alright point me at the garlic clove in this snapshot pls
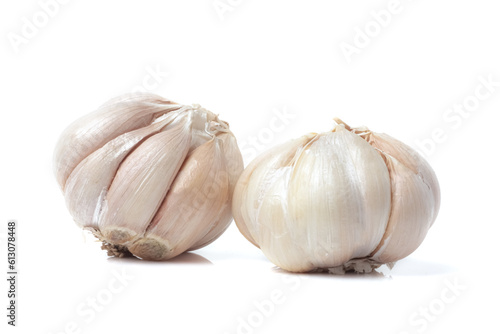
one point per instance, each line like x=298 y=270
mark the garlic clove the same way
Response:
x=89 y=182
x=217 y=229
x=413 y=161
x=411 y=214
x=275 y=240
x=232 y=158
x=247 y=195
x=122 y=114
x=415 y=198
x=193 y=205
x=141 y=183
x=234 y=167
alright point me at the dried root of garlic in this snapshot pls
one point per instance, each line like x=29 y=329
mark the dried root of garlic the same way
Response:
x=148 y=176
x=346 y=200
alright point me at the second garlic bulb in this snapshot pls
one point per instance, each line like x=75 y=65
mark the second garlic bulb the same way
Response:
x=349 y=199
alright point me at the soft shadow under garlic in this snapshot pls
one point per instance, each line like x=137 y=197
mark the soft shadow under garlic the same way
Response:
x=184 y=258
x=418 y=267
x=325 y=274
x=405 y=267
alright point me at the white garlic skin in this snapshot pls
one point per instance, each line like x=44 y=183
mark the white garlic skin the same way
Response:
x=148 y=176
x=349 y=199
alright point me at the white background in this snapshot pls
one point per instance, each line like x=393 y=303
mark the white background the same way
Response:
x=247 y=63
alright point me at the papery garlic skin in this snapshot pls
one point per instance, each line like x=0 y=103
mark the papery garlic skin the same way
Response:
x=337 y=200
x=416 y=198
x=149 y=177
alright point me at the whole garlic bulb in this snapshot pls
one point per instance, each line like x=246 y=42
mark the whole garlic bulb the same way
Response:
x=349 y=199
x=149 y=176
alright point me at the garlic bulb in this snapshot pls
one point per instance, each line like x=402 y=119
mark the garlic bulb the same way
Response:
x=349 y=199
x=149 y=176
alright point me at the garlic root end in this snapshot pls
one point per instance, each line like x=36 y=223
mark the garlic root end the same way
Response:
x=113 y=249
x=362 y=265
x=151 y=249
